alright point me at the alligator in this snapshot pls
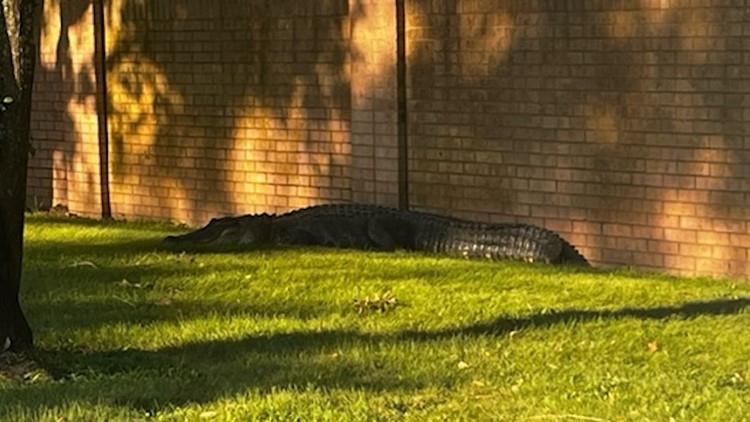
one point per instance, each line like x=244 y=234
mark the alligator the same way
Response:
x=381 y=228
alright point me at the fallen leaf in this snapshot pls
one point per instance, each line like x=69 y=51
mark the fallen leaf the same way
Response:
x=82 y=264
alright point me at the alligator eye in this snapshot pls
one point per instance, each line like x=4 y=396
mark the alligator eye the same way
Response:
x=247 y=238
x=228 y=235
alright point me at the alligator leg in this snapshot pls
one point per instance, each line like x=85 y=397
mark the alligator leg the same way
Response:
x=388 y=232
x=296 y=236
x=328 y=233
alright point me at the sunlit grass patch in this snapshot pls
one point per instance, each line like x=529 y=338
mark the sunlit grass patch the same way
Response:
x=132 y=330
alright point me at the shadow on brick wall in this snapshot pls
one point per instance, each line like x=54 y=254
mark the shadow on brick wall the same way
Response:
x=237 y=107
x=620 y=128
x=63 y=77
x=212 y=108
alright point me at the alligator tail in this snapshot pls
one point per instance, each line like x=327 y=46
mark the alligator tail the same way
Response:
x=570 y=255
x=520 y=242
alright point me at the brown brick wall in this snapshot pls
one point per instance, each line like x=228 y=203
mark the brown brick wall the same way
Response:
x=215 y=107
x=228 y=108
x=619 y=124
x=373 y=126
x=65 y=166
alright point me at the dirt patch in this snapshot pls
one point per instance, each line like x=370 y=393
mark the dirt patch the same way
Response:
x=21 y=367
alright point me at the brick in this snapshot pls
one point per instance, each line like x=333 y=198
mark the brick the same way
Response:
x=649 y=260
x=677 y=262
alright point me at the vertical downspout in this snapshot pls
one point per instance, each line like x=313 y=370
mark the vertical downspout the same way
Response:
x=402 y=134
x=100 y=65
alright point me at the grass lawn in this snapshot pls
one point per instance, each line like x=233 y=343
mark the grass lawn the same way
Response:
x=127 y=329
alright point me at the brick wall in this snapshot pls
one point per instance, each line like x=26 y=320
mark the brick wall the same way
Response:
x=231 y=108
x=374 y=118
x=65 y=164
x=214 y=107
x=618 y=124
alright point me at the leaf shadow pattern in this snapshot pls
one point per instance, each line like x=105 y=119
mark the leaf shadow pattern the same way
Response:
x=201 y=372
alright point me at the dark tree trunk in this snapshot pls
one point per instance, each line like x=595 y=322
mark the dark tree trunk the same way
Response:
x=19 y=27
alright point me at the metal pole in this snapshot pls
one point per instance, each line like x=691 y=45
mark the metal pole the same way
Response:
x=402 y=133
x=100 y=59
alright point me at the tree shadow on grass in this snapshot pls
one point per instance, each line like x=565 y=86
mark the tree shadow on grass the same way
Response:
x=551 y=318
x=142 y=313
x=201 y=372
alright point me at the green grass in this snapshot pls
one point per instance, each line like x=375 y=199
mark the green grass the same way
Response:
x=131 y=330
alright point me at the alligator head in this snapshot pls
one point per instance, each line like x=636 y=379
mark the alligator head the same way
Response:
x=244 y=230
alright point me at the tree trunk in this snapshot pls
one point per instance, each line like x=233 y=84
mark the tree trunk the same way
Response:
x=19 y=26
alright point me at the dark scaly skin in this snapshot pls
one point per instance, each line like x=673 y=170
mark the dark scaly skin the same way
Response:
x=374 y=227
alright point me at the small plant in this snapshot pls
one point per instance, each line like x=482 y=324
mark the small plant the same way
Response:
x=20 y=367
x=380 y=303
